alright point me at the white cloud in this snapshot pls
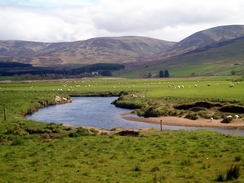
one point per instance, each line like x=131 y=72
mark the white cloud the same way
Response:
x=62 y=20
x=48 y=3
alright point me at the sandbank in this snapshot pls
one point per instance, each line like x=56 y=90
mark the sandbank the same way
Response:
x=181 y=121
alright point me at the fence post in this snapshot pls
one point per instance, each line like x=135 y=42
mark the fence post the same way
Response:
x=5 y=114
x=161 y=125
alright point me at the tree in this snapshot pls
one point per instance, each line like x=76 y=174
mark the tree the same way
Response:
x=106 y=73
x=161 y=74
x=166 y=73
x=233 y=72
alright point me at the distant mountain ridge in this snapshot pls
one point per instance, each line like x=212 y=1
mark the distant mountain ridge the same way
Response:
x=95 y=50
x=123 y=50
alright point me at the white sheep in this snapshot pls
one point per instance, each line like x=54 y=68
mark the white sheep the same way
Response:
x=211 y=119
x=232 y=85
x=229 y=116
x=236 y=116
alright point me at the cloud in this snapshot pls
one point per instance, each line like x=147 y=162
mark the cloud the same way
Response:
x=48 y=3
x=62 y=20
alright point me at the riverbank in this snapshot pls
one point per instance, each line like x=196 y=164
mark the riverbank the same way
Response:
x=177 y=121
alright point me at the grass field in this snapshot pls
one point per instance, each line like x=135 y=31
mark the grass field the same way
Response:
x=168 y=156
x=46 y=152
x=193 y=87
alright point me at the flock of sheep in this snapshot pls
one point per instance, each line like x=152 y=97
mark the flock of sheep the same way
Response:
x=195 y=85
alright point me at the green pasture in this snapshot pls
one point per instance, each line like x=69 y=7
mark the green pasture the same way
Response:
x=46 y=152
x=215 y=88
x=193 y=69
x=167 y=157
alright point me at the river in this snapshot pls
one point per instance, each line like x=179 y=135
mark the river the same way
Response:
x=98 y=112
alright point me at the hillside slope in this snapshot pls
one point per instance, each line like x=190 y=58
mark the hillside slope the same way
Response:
x=202 y=39
x=222 y=59
x=96 y=50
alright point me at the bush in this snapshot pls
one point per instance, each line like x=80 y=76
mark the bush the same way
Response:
x=152 y=112
x=216 y=115
x=233 y=172
x=196 y=109
x=220 y=178
x=186 y=163
x=137 y=168
x=18 y=142
x=204 y=115
x=80 y=132
x=237 y=158
x=192 y=116
x=226 y=120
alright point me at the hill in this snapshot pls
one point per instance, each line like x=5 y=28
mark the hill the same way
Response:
x=202 y=39
x=222 y=58
x=96 y=50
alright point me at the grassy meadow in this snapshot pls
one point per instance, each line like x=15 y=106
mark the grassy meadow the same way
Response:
x=200 y=87
x=46 y=152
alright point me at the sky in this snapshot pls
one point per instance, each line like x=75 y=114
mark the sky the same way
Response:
x=75 y=20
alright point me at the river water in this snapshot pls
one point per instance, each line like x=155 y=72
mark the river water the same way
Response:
x=98 y=112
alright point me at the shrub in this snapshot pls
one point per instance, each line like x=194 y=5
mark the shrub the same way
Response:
x=220 y=178
x=216 y=115
x=204 y=115
x=226 y=120
x=137 y=168
x=154 y=169
x=152 y=112
x=73 y=134
x=237 y=158
x=186 y=163
x=172 y=113
x=233 y=172
x=80 y=132
x=192 y=116
x=93 y=130
x=18 y=142
x=196 y=109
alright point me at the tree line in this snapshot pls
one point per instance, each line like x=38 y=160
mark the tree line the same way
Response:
x=5 y=64
x=161 y=74
x=164 y=74
x=17 y=69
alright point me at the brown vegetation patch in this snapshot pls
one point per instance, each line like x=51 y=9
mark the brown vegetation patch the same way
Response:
x=130 y=133
x=232 y=109
x=206 y=105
